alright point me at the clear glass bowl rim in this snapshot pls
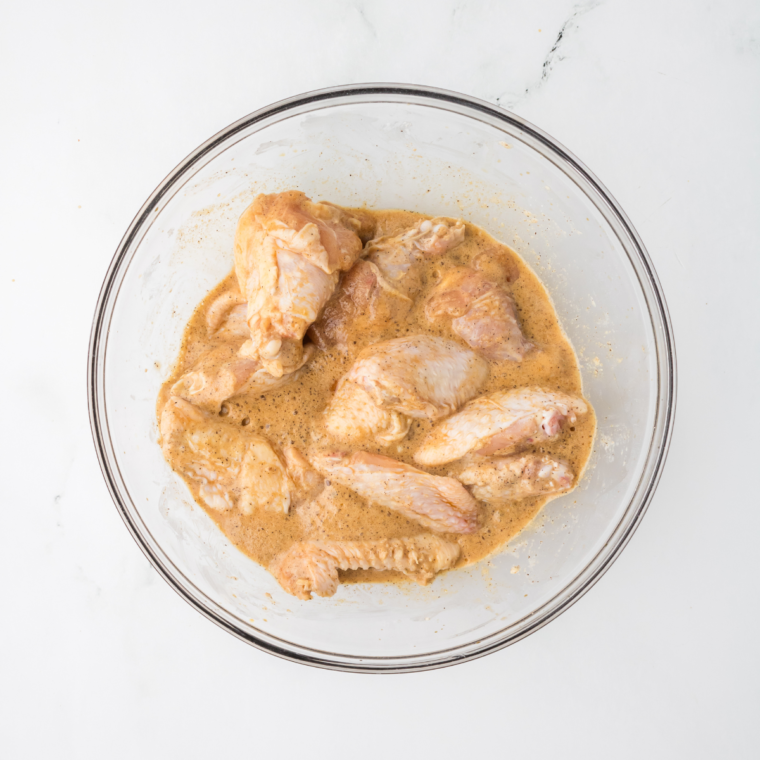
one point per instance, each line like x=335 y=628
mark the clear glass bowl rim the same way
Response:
x=651 y=290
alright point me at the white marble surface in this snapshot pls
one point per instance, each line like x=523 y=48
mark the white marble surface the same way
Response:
x=100 y=100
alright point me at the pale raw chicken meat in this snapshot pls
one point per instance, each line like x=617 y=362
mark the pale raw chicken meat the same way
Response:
x=226 y=316
x=430 y=237
x=234 y=325
x=222 y=374
x=233 y=468
x=516 y=477
x=438 y=503
x=288 y=256
x=311 y=567
x=421 y=376
x=264 y=480
x=352 y=415
x=276 y=482
x=308 y=482
x=500 y=422
x=395 y=258
x=483 y=312
x=382 y=285
x=209 y=454
x=317 y=515
x=178 y=417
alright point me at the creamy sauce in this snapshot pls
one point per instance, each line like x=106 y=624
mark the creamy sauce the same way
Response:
x=292 y=415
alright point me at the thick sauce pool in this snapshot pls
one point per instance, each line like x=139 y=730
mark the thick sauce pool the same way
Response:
x=292 y=415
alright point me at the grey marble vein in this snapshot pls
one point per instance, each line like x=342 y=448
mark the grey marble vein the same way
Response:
x=555 y=54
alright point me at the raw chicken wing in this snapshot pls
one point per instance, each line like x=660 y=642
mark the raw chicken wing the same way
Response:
x=484 y=314
x=383 y=284
x=395 y=257
x=393 y=381
x=226 y=316
x=308 y=482
x=516 y=477
x=288 y=256
x=233 y=468
x=177 y=418
x=222 y=374
x=204 y=450
x=311 y=567
x=276 y=482
x=438 y=503
x=502 y=422
x=264 y=480
x=360 y=293
x=421 y=376
x=353 y=415
x=430 y=237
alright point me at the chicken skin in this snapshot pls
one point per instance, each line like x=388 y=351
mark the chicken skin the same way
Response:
x=233 y=468
x=437 y=503
x=430 y=237
x=307 y=481
x=393 y=381
x=483 y=312
x=352 y=416
x=289 y=252
x=495 y=479
x=383 y=284
x=223 y=373
x=421 y=376
x=356 y=295
x=500 y=422
x=226 y=316
x=311 y=567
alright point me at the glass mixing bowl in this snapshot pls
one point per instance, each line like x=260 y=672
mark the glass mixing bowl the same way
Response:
x=440 y=153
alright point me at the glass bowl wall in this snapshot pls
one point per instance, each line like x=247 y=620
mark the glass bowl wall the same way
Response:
x=440 y=153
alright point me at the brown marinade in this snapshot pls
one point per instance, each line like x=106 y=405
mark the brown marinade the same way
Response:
x=287 y=416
